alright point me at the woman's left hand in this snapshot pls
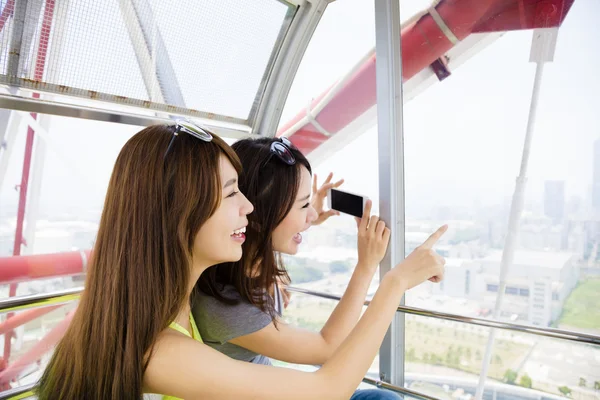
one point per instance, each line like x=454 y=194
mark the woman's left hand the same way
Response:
x=319 y=195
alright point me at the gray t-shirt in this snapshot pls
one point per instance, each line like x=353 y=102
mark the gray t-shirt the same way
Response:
x=218 y=323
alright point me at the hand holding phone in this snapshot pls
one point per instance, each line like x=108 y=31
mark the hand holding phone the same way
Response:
x=346 y=202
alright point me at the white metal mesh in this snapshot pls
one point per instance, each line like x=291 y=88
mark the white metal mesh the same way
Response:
x=96 y=53
x=210 y=55
x=227 y=48
x=6 y=10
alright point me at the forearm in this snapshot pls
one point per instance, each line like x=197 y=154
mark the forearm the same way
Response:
x=352 y=359
x=347 y=312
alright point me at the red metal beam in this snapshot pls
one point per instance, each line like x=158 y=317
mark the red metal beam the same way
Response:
x=37 y=351
x=524 y=14
x=24 y=317
x=423 y=43
x=39 y=266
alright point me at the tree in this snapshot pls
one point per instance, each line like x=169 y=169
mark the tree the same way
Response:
x=526 y=381
x=565 y=390
x=597 y=385
x=510 y=376
x=582 y=382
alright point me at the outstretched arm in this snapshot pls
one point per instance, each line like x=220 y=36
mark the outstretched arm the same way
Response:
x=182 y=367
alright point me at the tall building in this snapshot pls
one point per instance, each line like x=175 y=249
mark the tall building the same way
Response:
x=596 y=178
x=554 y=200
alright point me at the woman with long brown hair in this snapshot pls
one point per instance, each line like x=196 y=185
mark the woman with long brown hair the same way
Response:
x=172 y=210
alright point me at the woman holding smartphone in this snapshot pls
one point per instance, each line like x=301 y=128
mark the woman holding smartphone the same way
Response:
x=239 y=305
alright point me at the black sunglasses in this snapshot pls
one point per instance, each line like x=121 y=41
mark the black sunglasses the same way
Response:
x=282 y=149
x=191 y=129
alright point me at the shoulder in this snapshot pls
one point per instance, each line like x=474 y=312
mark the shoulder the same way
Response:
x=202 y=301
x=220 y=322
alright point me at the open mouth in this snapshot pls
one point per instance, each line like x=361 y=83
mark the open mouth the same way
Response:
x=239 y=233
x=297 y=238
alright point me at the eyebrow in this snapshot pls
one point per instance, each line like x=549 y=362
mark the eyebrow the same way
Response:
x=230 y=182
x=304 y=198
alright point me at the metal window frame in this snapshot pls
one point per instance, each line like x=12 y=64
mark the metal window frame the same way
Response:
x=51 y=107
x=265 y=118
x=391 y=169
x=294 y=35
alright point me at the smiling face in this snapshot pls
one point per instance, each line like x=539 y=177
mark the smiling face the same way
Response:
x=220 y=238
x=287 y=236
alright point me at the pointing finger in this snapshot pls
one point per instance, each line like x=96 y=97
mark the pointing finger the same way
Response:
x=435 y=236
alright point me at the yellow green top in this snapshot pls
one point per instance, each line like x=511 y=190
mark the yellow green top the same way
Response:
x=194 y=335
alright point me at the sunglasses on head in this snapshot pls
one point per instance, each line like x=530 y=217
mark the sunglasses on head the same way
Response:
x=190 y=128
x=282 y=149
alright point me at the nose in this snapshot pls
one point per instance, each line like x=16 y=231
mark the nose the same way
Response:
x=246 y=207
x=312 y=214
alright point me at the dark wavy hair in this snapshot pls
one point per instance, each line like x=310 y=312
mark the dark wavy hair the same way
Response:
x=271 y=186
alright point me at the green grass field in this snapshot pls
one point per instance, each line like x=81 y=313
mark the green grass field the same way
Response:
x=582 y=308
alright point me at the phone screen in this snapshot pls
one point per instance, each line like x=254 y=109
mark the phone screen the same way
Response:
x=347 y=203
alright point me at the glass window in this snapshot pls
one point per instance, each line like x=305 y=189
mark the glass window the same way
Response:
x=204 y=56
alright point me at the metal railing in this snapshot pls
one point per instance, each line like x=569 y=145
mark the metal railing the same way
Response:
x=64 y=296
x=397 y=389
x=539 y=331
x=19 y=303
x=21 y=392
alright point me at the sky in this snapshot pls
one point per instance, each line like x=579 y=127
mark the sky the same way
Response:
x=463 y=136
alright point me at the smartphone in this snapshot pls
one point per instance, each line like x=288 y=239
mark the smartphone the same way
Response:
x=345 y=202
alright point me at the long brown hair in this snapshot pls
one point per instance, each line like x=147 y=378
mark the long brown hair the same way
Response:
x=140 y=265
x=271 y=186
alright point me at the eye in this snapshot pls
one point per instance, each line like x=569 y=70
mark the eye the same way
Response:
x=232 y=194
x=306 y=205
